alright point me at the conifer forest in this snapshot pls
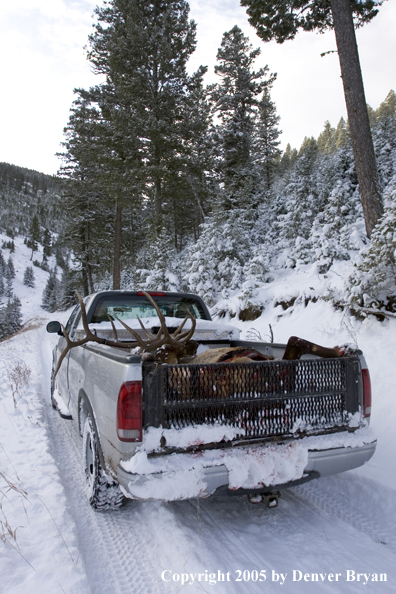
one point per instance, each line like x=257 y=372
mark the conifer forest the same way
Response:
x=166 y=183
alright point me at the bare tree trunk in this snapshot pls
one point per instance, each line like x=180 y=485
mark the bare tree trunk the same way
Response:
x=90 y=280
x=117 y=248
x=362 y=142
x=84 y=260
x=158 y=206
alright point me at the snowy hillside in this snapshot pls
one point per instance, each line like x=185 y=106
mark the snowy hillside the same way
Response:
x=52 y=541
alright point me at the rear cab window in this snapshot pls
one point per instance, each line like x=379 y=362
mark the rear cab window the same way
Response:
x=129 y=307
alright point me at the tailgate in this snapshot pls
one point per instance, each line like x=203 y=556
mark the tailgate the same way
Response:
x=261 y=400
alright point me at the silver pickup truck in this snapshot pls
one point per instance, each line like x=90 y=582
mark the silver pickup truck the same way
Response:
x=155 y=430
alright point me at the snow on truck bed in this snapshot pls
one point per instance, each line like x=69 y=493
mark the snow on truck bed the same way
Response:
x=204 y=330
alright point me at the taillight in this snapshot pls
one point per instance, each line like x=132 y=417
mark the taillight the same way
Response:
x=366 y=393
x=152 y=293
x=129 y=412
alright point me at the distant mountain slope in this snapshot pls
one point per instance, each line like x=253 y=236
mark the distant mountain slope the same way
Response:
x=25 y=193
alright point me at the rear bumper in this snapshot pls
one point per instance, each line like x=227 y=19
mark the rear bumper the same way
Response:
x=320 y=463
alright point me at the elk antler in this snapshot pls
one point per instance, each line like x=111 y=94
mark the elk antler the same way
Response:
x=163 y=337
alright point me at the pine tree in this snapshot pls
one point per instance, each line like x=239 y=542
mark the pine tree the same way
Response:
x=34 y=235
x=50 y=300
x=28 y=277
x=384 y=138
x=162 y=266
x=327 y=140
x=299 y=203
x=2 y=264
x=143 y=47
x=236 y=100
x=89 y=224
x=9 y=275
x=10 y=317
x=67 y=290
x=267 y=141
x=46 y=245
x=372 y=285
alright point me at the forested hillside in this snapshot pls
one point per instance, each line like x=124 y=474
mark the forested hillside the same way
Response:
x=170 y=184
x=25 y=193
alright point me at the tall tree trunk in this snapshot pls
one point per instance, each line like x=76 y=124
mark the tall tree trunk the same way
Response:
x=84 y=260
x=90 y=279
x=158 y=206
x=362 y=142
x=117 y=247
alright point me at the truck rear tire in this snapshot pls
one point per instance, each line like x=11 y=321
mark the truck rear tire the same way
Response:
x=102 y=491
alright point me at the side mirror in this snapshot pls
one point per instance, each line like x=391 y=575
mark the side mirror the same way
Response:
x=54 y=327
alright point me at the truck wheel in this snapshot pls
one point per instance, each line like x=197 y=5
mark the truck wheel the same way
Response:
x=102 y=491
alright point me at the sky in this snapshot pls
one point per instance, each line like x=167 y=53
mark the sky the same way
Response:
x=43 y=60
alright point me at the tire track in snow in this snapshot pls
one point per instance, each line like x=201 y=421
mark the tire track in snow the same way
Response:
x=365 y=505
x=114 y=544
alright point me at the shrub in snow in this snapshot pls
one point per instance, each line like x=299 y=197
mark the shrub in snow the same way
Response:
x=28 y=277
x=373 y=282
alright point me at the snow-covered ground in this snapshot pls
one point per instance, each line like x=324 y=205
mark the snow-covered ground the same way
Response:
x=320 y=537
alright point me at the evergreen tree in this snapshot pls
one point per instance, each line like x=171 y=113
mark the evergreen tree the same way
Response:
x=51 y=293
x=28 y=277
x=34 y=235
x=298 y=204
x=373 y=282
x=326 y=139
x=2 y=273
x=267 y=141
x=10 y=317
x=384 y=137
x=2 y=264
x=46 y=245
x=162 y=261
x=143 y=47
x=9 y=275
x=67 y=290
x=89 y=225
x=236 y=100
x=214 y=264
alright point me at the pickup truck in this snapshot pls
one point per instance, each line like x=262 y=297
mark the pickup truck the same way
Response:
x=154 y=430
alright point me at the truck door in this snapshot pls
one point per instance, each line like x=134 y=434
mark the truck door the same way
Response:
x=62 y=376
